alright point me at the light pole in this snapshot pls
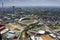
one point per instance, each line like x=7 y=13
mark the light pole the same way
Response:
x=2 y=6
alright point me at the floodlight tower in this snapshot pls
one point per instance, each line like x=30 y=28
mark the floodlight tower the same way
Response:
x=2 y=7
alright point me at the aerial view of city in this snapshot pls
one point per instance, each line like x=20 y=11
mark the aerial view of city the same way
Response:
x=29 y=19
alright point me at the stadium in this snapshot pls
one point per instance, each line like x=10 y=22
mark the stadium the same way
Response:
x=27 y=21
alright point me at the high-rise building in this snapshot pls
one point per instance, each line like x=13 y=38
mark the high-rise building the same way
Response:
x=13 y=9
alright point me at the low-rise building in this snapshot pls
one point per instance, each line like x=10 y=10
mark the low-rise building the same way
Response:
x=2 y=27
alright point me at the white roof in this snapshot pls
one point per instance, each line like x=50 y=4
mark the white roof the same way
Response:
x=58 y=37
x=53 y=35
x=21 y=18
x=41 y=31
x=32 y=37
x=12 y=31
x=5 y=30
x=35 y=38
x=39 y=38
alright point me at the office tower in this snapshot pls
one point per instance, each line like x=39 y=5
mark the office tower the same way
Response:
x=13 y=9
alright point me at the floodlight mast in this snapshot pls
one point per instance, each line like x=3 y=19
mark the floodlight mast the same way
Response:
x=2 y=7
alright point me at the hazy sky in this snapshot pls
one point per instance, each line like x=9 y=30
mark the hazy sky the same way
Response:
x=30 y=2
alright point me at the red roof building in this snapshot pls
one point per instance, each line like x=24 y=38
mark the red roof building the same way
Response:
x=2 y=27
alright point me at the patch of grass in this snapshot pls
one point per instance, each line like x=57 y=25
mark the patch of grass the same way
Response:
x=7 y=25
x=38 y=28
x=27 y=22
x=4 y=37
x=17 y=29
x=57 y=27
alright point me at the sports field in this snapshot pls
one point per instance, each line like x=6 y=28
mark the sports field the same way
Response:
x=28 y=22
x=46 y=37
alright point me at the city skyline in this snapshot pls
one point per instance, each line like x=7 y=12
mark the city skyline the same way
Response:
x=30 y=2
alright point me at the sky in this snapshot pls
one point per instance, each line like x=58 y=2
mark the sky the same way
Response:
x=30 y=2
